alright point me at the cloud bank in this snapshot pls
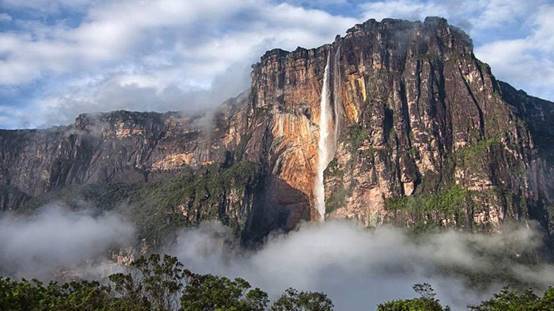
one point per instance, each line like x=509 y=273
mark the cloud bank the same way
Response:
x=116 y=53
x=60 y=58
x=56 y=240
x=360 y=268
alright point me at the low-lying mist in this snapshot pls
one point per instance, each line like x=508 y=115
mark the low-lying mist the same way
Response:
x=56 y=239
x=356 y=267
x=360 y=268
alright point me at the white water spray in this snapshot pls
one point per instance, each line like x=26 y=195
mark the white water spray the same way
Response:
x=326 y=142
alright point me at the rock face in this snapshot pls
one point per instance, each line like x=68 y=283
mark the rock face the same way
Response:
x=417 y=114
x=424 y=135
x=119 y=146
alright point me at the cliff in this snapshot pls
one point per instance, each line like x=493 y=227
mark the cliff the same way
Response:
x=419 y=133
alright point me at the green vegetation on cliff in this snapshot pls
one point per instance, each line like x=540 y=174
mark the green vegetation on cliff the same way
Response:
x=474 y=153
x=159 y=206
x=448 y=201
x=356 y=134
x=337 y=199
x=428 y=210
x=193 y=196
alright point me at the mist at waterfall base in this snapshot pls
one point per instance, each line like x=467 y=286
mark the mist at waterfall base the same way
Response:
x=360 y=268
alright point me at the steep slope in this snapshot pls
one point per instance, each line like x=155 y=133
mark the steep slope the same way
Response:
x=419 y=133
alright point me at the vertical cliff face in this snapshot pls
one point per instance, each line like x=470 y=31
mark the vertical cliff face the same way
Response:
x=113 y=147
x=427 y=135
x=418 y=133
x=109 y=147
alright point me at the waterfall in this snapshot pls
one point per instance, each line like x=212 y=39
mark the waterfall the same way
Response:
x=326 y=141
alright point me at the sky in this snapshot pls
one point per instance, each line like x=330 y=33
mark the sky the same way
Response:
x=59 y=58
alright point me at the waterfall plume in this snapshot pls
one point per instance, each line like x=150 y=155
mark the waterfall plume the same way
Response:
x=326 y=141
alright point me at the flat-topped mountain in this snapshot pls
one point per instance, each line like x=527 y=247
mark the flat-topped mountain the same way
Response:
x=395 y=122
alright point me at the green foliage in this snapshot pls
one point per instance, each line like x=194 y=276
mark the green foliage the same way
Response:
x=201 y=192
x=73 y=296
x=416 y=304
x=155 y=280
x=152 y=205
x=473 y=153
x=424 y=211
x=427 y=301
x=292 y=300
x=338 y=195
x=161 y=283
x=505 y=300
x=414 y=153
x=153 y=283
x=356 y=136
x=337 y=199
x=214 y=293
x=512 y=300
x=449 y=200
x=203 y=186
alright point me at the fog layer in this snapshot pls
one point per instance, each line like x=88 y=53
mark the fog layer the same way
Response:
x=55 y=240
x=360 y=268
x=357 y=267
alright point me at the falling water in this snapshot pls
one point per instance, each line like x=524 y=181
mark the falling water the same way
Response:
x=326 y=142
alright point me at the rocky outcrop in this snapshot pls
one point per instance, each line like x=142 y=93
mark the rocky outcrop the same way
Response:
x=425 y=135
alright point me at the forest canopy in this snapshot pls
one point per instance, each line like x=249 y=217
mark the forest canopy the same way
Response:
x=162 y=283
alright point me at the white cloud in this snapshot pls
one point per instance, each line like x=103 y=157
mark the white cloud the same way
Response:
x=132 y=31
x=474 y=15
x=177 y=47
x=155 y=47
x=498 y=13
x=526 y=62
x=407 y=9
x=5 y=18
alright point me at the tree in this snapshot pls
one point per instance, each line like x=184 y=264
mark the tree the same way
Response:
x=208 y=292
x=512 y=300
x=72 y=296
x=427 y=301
x=292 y=300
x=22 y=295
x=154 y=282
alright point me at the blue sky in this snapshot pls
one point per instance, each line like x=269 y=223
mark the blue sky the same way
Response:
x=59 y=58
